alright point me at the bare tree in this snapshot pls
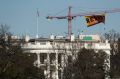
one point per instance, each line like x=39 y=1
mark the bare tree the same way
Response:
x=5 y=36
x=14 y=64
x=112 y=36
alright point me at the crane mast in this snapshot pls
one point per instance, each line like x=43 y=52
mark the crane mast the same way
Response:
x=69 y=23
x=70 y=17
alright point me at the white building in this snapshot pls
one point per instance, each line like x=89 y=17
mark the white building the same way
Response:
x=53 y=53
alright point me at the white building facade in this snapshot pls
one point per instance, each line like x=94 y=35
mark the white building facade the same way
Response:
x=53 y=53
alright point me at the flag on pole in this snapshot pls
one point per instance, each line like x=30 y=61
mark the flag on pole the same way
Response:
x=94 y=19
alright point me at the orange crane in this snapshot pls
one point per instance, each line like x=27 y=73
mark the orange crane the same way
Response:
x=71 y=16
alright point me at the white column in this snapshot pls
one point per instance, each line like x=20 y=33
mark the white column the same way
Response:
x=62 y=65
x=38 y=59
x=56 y=71
x=107 y=64
x=48 y=66
x=62 y=60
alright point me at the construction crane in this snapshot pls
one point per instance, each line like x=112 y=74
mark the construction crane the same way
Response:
x=71 y=16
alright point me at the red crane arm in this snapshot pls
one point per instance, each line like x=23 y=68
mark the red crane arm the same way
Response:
x=96 y=13
x=84 y=14
x=58 y=17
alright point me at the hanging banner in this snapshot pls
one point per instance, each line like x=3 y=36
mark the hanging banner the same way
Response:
x=94 y=19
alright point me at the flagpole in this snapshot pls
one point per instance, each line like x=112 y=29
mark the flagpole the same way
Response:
x=37 y=23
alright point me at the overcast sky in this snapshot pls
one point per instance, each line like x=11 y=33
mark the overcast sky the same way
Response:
x=20 y=15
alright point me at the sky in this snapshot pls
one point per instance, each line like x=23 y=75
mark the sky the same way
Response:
x=20 y=16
